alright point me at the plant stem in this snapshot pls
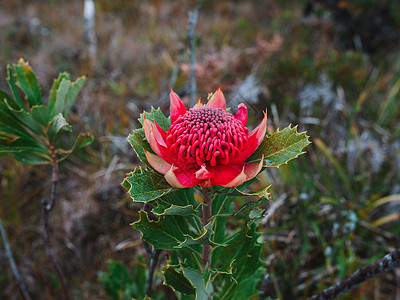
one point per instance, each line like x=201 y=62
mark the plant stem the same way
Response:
x=385 y=264
x=89 y=11
x=205 y=218
x=46 y=208
x=13 y=265
x=190 y=33
x=154 y=255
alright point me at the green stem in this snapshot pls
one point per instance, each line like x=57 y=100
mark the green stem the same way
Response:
x=205 y=218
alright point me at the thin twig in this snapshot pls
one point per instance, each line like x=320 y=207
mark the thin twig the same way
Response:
x=89 y=11
x=172 y=80
x=153 y=263
x=385 y=264
x=13 y=265
x=147 y=247
x=46 y=208
x=154 y=254
x=205 y=218
x=190 y=33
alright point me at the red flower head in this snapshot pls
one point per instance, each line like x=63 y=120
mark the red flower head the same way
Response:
x=205 y=145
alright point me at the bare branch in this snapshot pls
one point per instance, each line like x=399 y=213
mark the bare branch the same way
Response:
x=13 y=265
x=46 y=208
x=385 y=264
x=190 y=33
x=153 y=263
x=89 y=12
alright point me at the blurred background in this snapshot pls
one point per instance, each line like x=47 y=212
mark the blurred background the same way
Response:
x=332 y=67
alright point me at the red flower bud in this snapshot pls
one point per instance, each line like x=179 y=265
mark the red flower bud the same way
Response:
x=205 y=145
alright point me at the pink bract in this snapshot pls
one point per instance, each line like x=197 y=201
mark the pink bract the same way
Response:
x=204 y=145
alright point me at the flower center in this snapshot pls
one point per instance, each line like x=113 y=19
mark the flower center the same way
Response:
x=206 y=135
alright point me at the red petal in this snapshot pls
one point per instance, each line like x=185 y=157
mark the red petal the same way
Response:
x=180 y=178
x=203 y=173
x=260 y=130
x=157 y=163
x=155 y=136
x=251 y=170
x=172 y=180
x=217 y=100
x=177 y=108
x=148 y=132
x=238 y=180
x=159 y=134
x=254 y=140
x=223 y=174
x=242 y=114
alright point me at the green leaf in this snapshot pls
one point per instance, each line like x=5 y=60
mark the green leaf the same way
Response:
x=174 y=210
x=26 y=151
x=11 y=125
x=171 y=232
x=203 y=289
x=177 y=202
x=203 y=238
x=28 y=83
x=41 y=114
x=15 y=138
x=234 y=192
x=13 y=88
x=256 y=213
x=73 y=92
x=118 y=281
x=188 y=281
x=224 y=197
x=22 y=116
x=157 y=116
x=29 y=158
x=29 y=135
x=251 y=204
x=4 y=96
x=221 y=203
x=57 y=124
x=280 y=147
x=178 y=281
x=67 y=91
x=241 y=255
x=20 y=144
x=219 y=228
x=166 y=233
x=146 y=185
x=53 y=92
x=82 y=140
x=248 y=286
x=139 y=144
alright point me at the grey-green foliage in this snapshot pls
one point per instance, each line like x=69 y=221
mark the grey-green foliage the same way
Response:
x=30 y=130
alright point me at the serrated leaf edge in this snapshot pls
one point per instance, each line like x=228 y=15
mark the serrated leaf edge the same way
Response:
x=291 y=129
x=140 y=194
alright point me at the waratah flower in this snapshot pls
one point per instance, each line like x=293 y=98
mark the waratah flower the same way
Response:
x=205 y=145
